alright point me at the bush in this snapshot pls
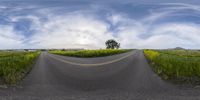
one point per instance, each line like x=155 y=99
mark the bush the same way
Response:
x=175 y=64
x=89 y=53
x=14 y=65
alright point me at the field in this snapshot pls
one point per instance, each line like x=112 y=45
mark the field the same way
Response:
x=89 y=53
x=176 y=65
x=15 y=65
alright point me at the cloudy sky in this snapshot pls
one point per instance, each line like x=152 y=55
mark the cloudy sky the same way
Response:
x=88 y=23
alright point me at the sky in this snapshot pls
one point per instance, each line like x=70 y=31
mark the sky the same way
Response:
x=153 y=24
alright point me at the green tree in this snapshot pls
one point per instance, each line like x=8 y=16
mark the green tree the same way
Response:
x=112 y=44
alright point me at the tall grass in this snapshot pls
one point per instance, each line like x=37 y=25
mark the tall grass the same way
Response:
x=184 y=53
x=14 y=65
x=89 y=53
x=180 y=65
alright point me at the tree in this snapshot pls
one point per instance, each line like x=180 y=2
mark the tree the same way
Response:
x=112 y=44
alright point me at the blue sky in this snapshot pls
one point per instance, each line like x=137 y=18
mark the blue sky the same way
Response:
x=88 y=24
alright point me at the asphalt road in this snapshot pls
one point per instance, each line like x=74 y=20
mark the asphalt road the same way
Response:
x=124 y=76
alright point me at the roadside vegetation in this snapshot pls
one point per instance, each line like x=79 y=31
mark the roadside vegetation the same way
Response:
x=182 y=66
x=15 y=65
x=89 y=53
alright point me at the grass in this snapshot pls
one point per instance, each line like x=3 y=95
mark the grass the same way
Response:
x=181 y=66
x=15 y=65
x=89 y=53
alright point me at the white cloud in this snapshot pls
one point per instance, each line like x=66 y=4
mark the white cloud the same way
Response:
x=168 y=35
x=181 y=34
x=79 y=31
x=9 y=39
x=181 y=6
x=72 y=31
x=85 y=30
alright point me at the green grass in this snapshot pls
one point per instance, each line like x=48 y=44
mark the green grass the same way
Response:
x=89 y=53
x=184 y=53
x=15 y=65
x=176 y=65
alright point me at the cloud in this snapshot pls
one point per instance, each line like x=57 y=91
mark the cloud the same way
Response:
x=71 y=31
x=90 y=29
x=173 y=34
x=9 y=39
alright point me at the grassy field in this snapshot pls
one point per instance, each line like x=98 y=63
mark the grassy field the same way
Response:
x=15 y=65
x=176 y=65
x=89 y=53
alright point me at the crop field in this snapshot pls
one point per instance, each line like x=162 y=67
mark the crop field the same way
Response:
x=89 y=53
x=176 y=65
x=15 y=65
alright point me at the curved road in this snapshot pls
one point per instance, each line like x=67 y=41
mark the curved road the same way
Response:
x=124 y=76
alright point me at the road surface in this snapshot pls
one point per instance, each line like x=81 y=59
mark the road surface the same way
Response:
x=124 y=76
